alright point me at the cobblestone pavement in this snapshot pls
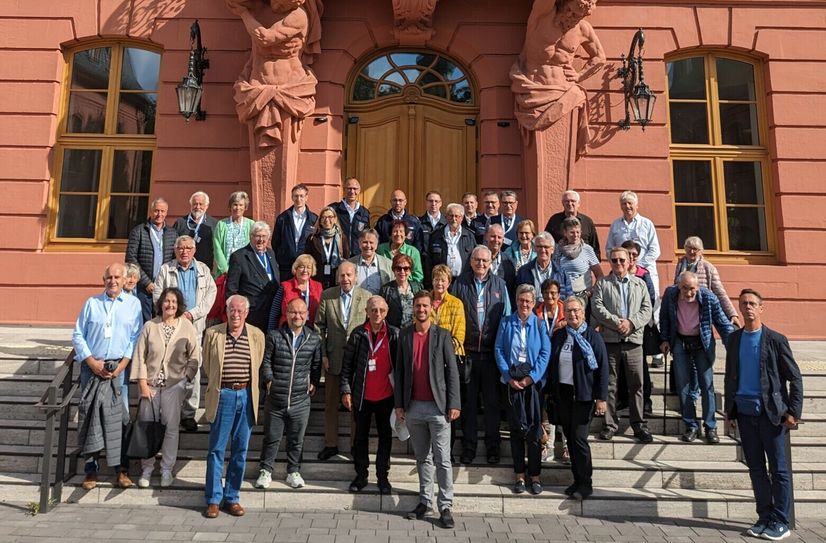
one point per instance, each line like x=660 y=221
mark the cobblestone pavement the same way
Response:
x=81 y=523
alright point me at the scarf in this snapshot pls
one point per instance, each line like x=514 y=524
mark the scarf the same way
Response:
x=333 y=233
x=571 y=250
x=584 y=346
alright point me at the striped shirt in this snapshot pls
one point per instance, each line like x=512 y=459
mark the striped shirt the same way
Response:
x=237 y=359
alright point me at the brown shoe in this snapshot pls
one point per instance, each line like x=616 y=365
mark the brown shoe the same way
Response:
x=123 y=480
x=90 y=482
x=211 y=511
x=234 y=509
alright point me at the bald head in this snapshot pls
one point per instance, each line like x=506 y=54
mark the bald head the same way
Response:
x=398 y=201
x=114 y=277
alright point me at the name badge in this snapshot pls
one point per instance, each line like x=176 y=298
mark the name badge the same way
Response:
x=327 y=269
x=480 y=305
x=197 y=239
x=523 y=357
x=371 y=364
x=508 y=241
x=107 y=332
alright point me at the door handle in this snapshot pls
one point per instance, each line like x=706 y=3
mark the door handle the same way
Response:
x=470 y=122
x=352 y=120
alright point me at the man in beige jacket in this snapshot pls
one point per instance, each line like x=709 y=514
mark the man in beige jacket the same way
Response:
x=232 y=358
x=342 y=309
x=196 y=282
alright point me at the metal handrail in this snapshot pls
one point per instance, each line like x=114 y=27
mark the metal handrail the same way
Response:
x=49 y=403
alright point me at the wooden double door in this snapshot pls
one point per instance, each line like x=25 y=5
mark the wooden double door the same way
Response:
x=412 y=145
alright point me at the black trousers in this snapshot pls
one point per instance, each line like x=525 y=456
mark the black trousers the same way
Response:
x=484 y=384
x=379 y=410
x=518 y=442
x=575 y=417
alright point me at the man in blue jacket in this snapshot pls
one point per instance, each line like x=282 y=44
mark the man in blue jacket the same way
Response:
x=764 y=398
x=687 y=314
x=292 y=228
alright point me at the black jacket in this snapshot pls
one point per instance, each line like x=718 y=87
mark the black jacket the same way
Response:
x=464 y=288
x=384 y=227
x=780 y=378
x=314 y=247
x=352 y=230
x=290 y=376
x=247 y=276
x=588 y=385
x=511 y=234
x=354 y=363
x=139 y=250
x=444 y=373
x=437 y=251
x=478 y=225
x=283 y=235
x=204 y=251
x=428 y=230
x=390 y=292
x=589 y=231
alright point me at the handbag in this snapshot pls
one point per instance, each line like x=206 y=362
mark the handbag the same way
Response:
x=463 y=363
x=144 y=438
x=651 y=340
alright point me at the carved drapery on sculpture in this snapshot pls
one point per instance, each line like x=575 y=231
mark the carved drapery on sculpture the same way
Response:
x=413 y=20
x=275 y=92
x=544 y=80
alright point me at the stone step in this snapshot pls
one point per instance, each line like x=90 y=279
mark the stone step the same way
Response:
x=323 y=495
x=31 y=365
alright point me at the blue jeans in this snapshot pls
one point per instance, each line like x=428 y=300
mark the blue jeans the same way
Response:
x=146 y=303
x=761 y=440
x=685 y=363
x=233 y=424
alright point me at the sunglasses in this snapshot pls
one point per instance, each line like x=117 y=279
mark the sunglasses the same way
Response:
x=403 y=268
x=618 y=260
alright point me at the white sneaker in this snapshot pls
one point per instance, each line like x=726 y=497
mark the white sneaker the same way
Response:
x=264 y=479
x=295 y=480
x=143 y=482
x=166 y=479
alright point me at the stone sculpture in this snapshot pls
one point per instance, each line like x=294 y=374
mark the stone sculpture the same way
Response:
x=413 y=19
x=275 y=92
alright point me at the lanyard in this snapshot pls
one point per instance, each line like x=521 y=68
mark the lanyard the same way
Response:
x=508 y=226
x=375 y=348
x=156 y=236
x=495 y=263
x=552 y=321
x=266 y=263
x=328 y=249
x=195 y=228
x=523 y=340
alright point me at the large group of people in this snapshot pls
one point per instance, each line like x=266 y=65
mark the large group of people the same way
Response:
x=421 y=325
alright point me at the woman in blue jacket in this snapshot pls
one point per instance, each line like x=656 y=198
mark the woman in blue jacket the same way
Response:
x=522 y=350
x=578 y=375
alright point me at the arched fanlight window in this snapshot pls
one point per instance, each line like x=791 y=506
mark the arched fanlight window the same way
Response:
x=436 y=75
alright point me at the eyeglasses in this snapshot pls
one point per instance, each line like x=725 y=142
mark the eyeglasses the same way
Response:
x=542 y=247
x=402 y=268
x=186 y=248
x=633 y=255
x=481 y=260
x=504 y=203
x=302 y=268
x=618 y=260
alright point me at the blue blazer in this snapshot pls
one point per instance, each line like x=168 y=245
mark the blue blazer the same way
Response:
x=539 y=346
x=283 y=237
x=588 y=385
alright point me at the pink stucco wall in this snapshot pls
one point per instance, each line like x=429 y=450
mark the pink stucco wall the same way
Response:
x=47 y=284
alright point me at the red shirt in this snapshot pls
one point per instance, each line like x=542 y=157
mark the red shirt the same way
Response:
x=421 y=367
x=377 y=385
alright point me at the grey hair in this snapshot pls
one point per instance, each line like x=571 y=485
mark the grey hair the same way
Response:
x=693 y=241
x=544 y=236
x=132 y=270
x=629 y=195
x=571 y=222
x=181 y=239
x=260 y=226
x=157 y=201
x=573 y=299
x=497 y=226
x=240 y=297
x=239 y=196
x=687 y=275
x=375 y=299
x=506 y=193
x=573 y=193
x=525 y=288
x=479 y=249
x=346 y=264
x=455 y=207
x=202 y=194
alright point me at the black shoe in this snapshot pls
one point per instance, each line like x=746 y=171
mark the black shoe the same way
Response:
x=519 y=487
x=189 y=425
x=584 y=492
x=446 y=519
x=327 y=453
x=493 y=458
x=385 y=487
x=418 y=513
x=621 y=406
x=690 y=435
x=711 y=436
x=606 y=434
x=466 y=459
x=571 y=490
x=358 y=484
x=648 y=408
x=643 y=434
x=536 y=488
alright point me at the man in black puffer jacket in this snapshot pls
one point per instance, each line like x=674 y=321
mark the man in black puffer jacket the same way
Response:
x=291 y=371
x=367 y=390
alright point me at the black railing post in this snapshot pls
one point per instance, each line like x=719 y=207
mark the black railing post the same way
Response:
x=788 y=446
x=46 y=464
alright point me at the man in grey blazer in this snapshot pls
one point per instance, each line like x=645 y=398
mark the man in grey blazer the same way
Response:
x=427 y=400
x=342 y=309
x=621 y=307
x=372 y=269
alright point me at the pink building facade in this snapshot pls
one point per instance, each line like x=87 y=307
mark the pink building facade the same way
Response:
x=735 y=153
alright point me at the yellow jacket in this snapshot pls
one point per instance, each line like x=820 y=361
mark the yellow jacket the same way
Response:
x=451 y=317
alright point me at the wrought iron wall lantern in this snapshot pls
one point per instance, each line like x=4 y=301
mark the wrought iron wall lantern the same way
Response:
x=191 y=87
x=639 y=99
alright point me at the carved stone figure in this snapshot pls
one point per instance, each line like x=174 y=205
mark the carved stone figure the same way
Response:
x=551 y=105
x=275 y=92
x=413 y=19
x=544 y=79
